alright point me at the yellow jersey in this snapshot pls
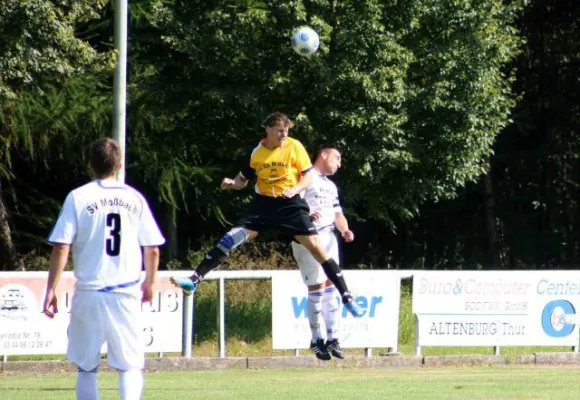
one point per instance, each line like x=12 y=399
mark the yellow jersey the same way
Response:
x=277 y=169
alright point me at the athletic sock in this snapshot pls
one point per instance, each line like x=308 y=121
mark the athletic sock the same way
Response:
x=87 y=386
x=330 y=311
x=334 y=273
x=131 y=384
x=214 y=258
x=314 y=313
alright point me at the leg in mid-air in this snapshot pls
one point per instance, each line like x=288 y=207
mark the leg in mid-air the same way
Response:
x=314 y=310
x=323 y=305
x=322 y=297
x=332 y=271
x=214 y=258
x=330 y=314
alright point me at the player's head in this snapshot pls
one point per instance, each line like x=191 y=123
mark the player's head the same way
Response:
x=328 y=159
x=277 y=126
x=105 y=158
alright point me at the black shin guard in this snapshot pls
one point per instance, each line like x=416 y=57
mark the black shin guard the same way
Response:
x=334 y=273
x=212 y=260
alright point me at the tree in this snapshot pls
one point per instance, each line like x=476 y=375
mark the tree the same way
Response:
x=536 y=164
x=415 y=92
x=38 y=45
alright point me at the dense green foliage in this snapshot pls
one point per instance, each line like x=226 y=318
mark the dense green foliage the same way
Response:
x=421 y=84
x=419 y=94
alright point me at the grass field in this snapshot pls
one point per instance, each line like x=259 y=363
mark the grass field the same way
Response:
x=441 y=383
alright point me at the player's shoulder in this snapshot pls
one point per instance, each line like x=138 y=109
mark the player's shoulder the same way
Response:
x=133 y=190
x=83 y=190
x=254 y=148
x=328 y=183
x=318 y=178
x=330 y=180
x=294 y=142
x=80 y=194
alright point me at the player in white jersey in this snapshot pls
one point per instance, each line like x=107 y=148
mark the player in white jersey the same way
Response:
x=112 y=233
x=326 y=212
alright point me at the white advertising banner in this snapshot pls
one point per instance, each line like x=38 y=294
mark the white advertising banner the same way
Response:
x=25 y=330
x=496 y=308
x=377 y=292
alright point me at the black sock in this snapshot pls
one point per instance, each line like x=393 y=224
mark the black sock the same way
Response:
x=214 y=258
x=334 y=273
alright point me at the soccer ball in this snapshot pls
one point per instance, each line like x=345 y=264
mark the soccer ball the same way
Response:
x=305 y=41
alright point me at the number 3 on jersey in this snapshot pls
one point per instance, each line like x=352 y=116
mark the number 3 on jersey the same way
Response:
x=113 y=242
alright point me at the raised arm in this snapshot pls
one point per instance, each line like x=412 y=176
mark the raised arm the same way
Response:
x=239 y=182
x=305 y=181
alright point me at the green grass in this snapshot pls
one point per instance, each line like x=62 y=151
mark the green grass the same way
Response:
x=434 y=384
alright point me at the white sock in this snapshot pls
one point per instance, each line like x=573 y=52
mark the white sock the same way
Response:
x=330 y=311
x=131 y=384
x=87 y=387
x=314 y=311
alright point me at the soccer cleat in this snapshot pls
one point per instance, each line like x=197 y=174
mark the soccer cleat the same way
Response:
x=352 y=306
x=333 y=347
x=186 y=284
x=320 y=351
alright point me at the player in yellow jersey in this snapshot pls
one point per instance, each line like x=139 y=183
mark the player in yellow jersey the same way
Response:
x=282 y=169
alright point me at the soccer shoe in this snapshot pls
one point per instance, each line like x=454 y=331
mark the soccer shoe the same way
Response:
x=352 y=306
x=320 y=351
x=186 y=284
x=333 y=347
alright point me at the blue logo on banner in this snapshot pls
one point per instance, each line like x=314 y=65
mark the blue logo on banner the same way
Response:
x=369 y=305
x=554 y=320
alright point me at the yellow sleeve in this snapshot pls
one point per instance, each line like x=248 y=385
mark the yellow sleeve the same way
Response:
x=303 y=163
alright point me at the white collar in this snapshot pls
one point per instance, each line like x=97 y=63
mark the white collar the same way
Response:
x=107 y=183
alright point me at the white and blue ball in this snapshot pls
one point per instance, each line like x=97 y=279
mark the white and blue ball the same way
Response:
x=305 y=41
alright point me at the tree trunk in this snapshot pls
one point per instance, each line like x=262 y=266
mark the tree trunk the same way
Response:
x=9 y=260
x=490 y=221
x=171 y=226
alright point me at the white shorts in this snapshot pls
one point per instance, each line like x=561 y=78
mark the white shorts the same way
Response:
x=311 y=270
x=114 y=318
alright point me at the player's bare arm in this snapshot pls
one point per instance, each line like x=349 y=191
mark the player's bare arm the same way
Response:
x=239 y=182
x=342 y=225
x=315 y=216
x=151 y=262
x=58 y=259
x=305 y=181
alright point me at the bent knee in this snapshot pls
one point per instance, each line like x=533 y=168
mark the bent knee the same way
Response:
x=310 y=242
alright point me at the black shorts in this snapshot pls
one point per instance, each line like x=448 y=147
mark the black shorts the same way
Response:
x=288 y=216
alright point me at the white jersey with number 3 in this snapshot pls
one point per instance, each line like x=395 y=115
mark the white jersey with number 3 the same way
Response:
x=107 y=223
